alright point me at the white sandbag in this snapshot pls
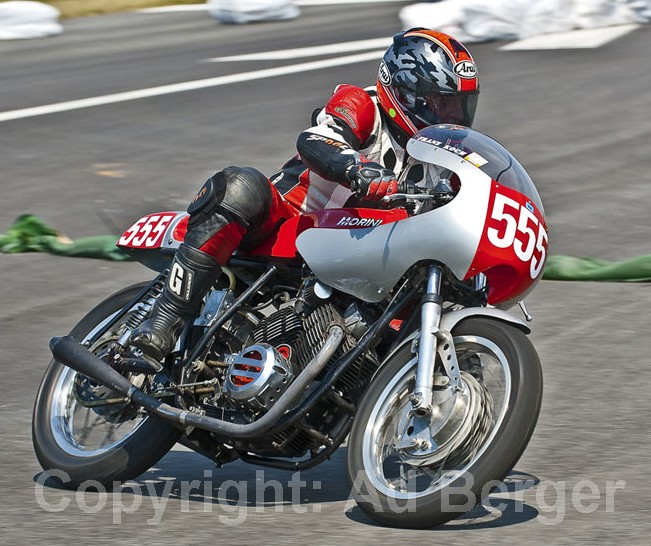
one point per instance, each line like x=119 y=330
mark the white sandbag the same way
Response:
x=482 y=20
x=249 y=11
x=468 y=20
x=601 y=13
x=21 y=20
x=540 y=17
x=439 y=16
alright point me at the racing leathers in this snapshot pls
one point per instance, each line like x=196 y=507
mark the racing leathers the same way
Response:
x=350 y=133
x=350 y=154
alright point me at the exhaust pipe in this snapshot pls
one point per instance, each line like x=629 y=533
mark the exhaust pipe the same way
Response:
x=69 y=352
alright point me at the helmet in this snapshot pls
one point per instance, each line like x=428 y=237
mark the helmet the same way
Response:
x=426 y=77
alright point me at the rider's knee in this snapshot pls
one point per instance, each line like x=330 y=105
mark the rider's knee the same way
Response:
x=241 y=193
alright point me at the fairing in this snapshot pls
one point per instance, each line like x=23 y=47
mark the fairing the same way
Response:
x=368 y=262
x=495 y=225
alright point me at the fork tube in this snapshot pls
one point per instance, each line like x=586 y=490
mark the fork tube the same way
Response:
x=430 y=318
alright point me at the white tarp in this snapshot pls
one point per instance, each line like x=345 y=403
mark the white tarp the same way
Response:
x=21 y=20
x=249 y=11
x=482 y=20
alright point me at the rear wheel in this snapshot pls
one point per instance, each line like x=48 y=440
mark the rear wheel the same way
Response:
x=82 y=431
x=470 y=439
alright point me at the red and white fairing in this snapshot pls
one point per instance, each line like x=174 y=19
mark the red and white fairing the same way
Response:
x=495 y=225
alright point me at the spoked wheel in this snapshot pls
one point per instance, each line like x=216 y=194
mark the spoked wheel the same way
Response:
x=83 y=430
x=415 y=472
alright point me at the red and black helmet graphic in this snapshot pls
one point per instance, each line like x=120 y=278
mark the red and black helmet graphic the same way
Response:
x=427 y=77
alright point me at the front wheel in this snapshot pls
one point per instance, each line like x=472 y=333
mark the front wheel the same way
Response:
x=81 y=431
x=468 y=441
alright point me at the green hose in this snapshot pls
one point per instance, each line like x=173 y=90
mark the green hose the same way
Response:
x=31 y=234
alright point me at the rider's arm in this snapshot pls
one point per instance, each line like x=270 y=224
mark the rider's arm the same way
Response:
x=346 y=122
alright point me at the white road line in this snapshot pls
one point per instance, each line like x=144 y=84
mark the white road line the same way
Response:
x=314 y=51
x=575 y=39
x=187 y=86
x=300 y=3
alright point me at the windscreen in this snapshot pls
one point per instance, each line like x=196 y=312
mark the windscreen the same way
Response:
x=485 y=153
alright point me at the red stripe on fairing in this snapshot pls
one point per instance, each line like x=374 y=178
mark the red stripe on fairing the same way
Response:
x=282 y=244
x=354 y=218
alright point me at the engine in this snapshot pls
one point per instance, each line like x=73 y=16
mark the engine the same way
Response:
x=284 y=343
x=257 y=376
x=262 y=350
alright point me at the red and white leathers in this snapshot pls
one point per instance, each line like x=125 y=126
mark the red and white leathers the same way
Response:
x=350 y=129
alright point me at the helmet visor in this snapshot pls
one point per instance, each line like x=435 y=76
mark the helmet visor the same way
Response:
x=431 y=107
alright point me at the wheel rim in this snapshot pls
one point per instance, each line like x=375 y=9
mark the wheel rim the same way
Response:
x=82 y=431
x=404 y=475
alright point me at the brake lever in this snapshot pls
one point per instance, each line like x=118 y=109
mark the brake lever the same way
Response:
x=412 y=196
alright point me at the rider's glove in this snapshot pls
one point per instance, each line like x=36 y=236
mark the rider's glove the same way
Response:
x=371 y=181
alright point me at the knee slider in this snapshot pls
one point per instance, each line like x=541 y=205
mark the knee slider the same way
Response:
x=209 y=196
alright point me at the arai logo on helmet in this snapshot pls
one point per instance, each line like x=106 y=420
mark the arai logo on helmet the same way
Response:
x=384 y=75
x=465 y=69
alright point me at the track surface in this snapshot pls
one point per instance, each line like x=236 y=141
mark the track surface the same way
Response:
x=579 y=122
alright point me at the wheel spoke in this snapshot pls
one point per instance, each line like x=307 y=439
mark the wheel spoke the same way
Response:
x=100 y=427
x=86 y=430
x=109 y=437
x=405 y=472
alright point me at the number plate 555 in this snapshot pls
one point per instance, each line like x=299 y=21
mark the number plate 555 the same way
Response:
x=147 y=232
x=520 y=229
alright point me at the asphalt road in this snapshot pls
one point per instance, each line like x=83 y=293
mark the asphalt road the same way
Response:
x=577 y=119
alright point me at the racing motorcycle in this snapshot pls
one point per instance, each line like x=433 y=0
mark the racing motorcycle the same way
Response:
x=387 y=327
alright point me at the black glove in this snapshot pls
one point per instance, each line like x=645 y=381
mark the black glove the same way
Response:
x=371 y=181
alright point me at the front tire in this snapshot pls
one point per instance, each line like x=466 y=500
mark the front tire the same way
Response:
x=408 y=488
x=77 y=443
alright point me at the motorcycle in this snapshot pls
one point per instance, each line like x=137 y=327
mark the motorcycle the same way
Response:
x=387 y=327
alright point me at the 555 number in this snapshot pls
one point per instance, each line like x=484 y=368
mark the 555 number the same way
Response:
x=147 y=231
x=531 y=246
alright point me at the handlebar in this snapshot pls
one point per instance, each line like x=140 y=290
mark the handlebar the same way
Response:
x=407 y=187
x=407 y=190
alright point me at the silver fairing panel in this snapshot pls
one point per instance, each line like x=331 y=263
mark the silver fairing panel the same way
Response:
x=368 y=262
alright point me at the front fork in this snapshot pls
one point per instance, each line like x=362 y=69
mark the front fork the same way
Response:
x=432 y=340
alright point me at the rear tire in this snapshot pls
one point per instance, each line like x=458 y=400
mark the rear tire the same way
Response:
x=379 y=471
x=60 y=448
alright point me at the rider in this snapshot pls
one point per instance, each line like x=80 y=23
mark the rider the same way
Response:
x=353 y=152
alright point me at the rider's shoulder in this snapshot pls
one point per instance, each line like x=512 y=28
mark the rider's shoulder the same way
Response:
x=347 y=91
